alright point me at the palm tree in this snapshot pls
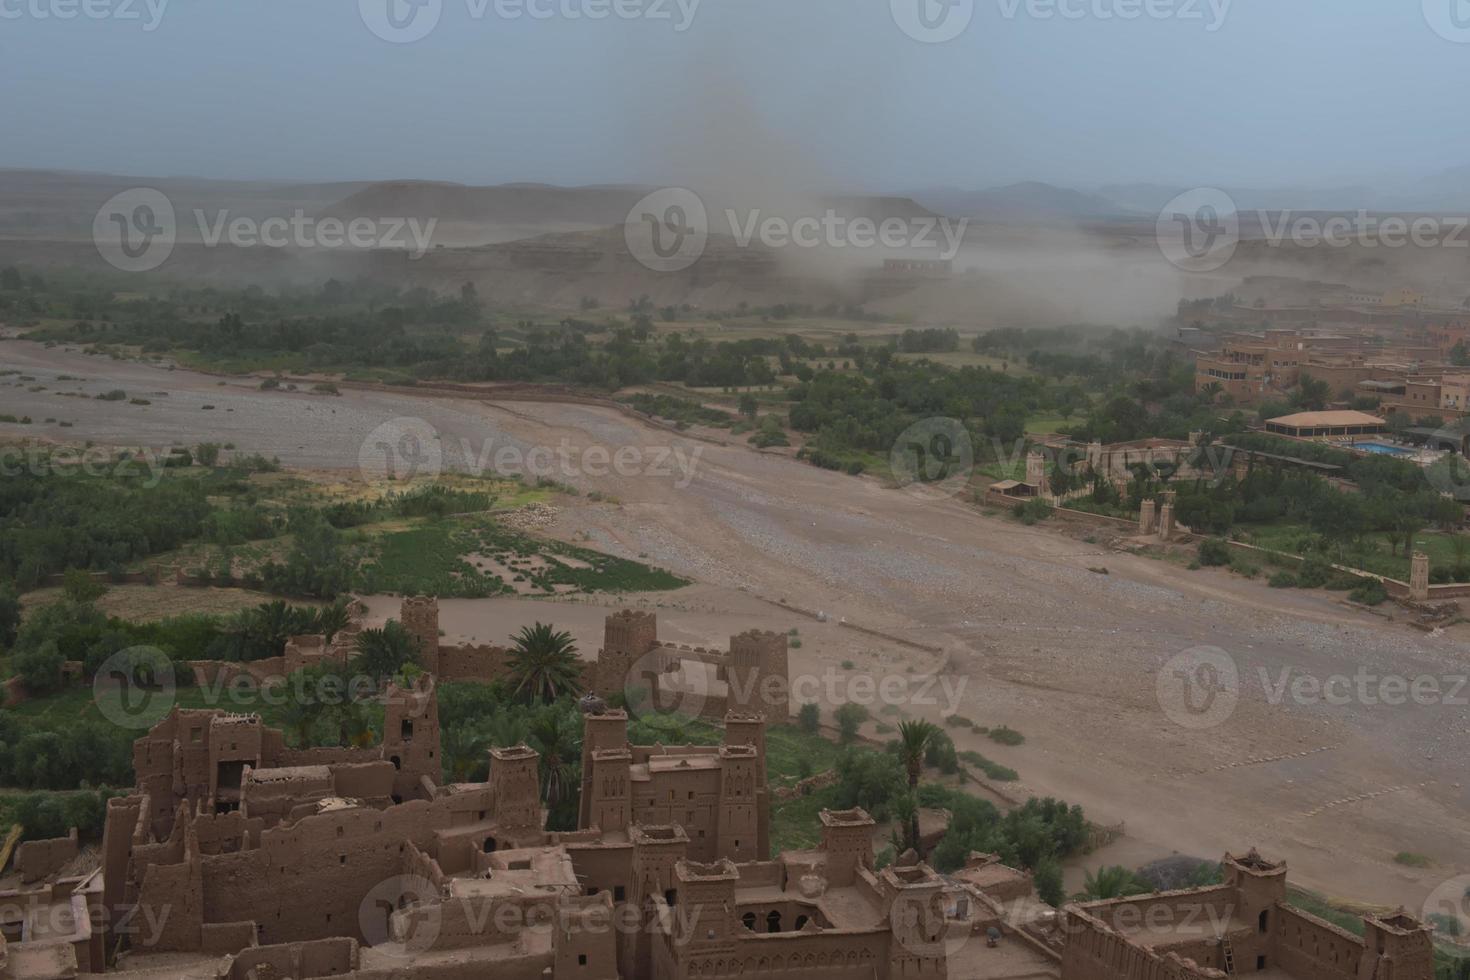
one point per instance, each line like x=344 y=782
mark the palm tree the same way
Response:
x=299 y=716
x=331 y=620
x=506 y=728
x=355 y=724
x=544 y=664
x=1112 y=881
x=914 y=738
x=381 y=654
x=273 y=623
x=557 y=735
x=463 y=746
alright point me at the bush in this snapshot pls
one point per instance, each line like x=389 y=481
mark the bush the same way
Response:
x=809 y=718
x=992 y=770
x=39 y=667
x=1370 y=593
x=1006 y=736
x=1048 y=881
x=1214 y=552
x=1032 y=511
x=1314 y=573
x=80 y=586
x=958 y=721
x=849 y=718
x=9 y=616
x=1284 y=580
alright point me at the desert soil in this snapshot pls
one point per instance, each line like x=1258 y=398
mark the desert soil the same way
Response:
x=1069 y=657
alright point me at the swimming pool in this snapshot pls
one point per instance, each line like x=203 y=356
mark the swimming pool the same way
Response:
x=1383 y=449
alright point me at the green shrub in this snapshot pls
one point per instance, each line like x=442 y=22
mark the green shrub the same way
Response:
x=1284 y=580
x=1006 y=736
x=1214 y=552
x=1032 y=511
x=1370 y=593
x=809 y=718
x=850 y=718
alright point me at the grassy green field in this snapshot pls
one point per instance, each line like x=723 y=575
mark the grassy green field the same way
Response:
x=436 y=558
x=1374 y=554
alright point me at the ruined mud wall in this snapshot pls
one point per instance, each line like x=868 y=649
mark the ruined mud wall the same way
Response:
x=308 y=881
x=39 y=859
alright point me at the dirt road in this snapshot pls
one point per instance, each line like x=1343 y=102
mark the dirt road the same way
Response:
x=1071 y=658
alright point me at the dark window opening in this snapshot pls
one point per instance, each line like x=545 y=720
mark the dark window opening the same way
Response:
x=773 y=921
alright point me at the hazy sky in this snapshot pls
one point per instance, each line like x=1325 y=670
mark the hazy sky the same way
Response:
x=1280 y=92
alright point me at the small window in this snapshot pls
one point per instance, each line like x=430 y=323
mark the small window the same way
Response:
x=619 y=893
x=581 y=959
x=1261 y=962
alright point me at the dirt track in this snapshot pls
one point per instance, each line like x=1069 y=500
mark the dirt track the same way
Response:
x=1068 y=657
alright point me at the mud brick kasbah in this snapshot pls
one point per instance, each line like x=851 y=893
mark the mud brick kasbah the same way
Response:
x=237 y=857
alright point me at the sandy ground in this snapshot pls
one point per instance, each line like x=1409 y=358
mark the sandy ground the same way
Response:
x=1070 y=658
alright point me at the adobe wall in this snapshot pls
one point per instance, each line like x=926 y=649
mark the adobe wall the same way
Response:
x=1312 y=949
x=838 y=954
x=304 y=961
x=478 y=664
x=40 y=859
x=306 y=881
x=1095 y=952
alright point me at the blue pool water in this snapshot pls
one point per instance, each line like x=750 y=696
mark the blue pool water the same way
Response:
x=1383 y=449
